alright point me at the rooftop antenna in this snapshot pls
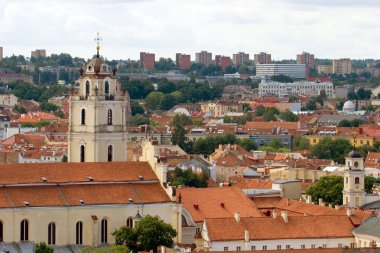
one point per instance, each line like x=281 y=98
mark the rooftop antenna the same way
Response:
x=97 y=39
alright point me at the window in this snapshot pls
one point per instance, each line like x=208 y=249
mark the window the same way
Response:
x=110 y=151
x=314 y=141
x=278 y=247
x=340 y=245
x=87 y=88
x=313 y=246
x=357 y=201
x=265 y=247
x=79 y=233
x=324 y=246
x=357 y=180
x=253 y=247
x=107 y=88
x=287 y=246
x=238 y=248
x=83 y=117
x=1 y=232
x=352 y=245
x=303 y=246
x=82 y=153
x=24 y=235
x=130 y=222
x=51 y=233
x=104 y=231
x=109 y=121
x=346 y=180
x=225 y=248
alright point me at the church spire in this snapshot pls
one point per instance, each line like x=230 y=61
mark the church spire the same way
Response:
x=98 y=39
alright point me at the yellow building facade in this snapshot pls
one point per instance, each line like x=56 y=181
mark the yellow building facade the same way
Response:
x=358 y=141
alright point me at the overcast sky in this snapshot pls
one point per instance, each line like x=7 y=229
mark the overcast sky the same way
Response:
x=327 y=28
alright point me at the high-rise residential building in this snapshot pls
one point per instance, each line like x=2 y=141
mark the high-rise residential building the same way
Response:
x=39 y=53
x=297 y=71
x=147 y=60
x=182 y=61
x=240 y=58
x=342 y=67
x=222 y=61
x=203 y=57
x=305 y=58
x=262 y=58
x=325 y=69
x=1 y=53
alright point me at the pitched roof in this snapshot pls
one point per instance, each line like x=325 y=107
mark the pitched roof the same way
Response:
x=217 y=202
x=270 y=125
x=370 y=226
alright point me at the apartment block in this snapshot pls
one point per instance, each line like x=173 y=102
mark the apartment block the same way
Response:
x=203 y=57
x=39 y=53
x=1 y=53
x=222 y=61
x=325 y=69
x=147 y=60
x=342 y=67
x=240 y=58
x=305 y=58
x=262 y=58
x=182 y=61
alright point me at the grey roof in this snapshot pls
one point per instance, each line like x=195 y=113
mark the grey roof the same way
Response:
x=370 y=226
x=28 y=247
x=372 y=205
x=335 y=119
x=285 y=181
x=255 y=192
x=251 y=173
x=354 y=154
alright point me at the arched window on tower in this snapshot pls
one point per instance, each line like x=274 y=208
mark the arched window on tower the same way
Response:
x=79 y=233
x=357 y=180
x=83 y=117
x=110 y=153
x=104 y=231
x=109 y=117
x=82 y=153
x=24 y=230
x=87 y=89
x=1 y=232
x=51 y=233
x=107 y=88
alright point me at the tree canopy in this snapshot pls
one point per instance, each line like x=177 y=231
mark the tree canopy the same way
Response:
x=188 y=178
x=329 y=188
x=329 y=148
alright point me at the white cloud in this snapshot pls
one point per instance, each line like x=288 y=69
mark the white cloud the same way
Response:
x=327 y=28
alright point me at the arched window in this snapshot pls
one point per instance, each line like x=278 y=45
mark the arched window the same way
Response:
x=24 y=231
x=87 y=88
x=109 y=121
x=83 y=117
x=79 y=233
x=107 y=88
x=82 y=153
x=357 y=180
x=104 y=231
x=1 y=232
x=130 y=222
x=110 y=151
x=51 y=233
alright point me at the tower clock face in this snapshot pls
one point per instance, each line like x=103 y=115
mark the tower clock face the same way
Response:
x=356 y=164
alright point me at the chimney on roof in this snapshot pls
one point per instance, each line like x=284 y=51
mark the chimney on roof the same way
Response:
x=44 y=179
x=246 y=235
x=222 y=205
x=330 y=205
x=350 y=211
x=308 y=199
x=284 y=215
x=274 y=214
x=237 y=216
x=320 y=202
x=26 y=203
x=337 y=207
x=180 y=198
x=287 y=202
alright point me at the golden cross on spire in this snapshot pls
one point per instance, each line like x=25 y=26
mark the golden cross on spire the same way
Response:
x=97 y=39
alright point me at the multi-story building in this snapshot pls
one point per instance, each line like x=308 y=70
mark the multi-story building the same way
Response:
x=296 y=88
x=39 y=53
x=325 y=69
x=297 y=71
x=305 y=58
x=262 y=58
x=342 y=67
x=240 y=58
x=222 y=61
x=1 y=53
x=220 y=108
x=8 y=100
x=147 y=60
x=203 y=57
x=10 y=78
x=182 y=61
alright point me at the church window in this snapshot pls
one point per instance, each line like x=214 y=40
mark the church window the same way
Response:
x=357 y=180
x=51 y=233
x=82 y=154
x=79 y=232
x=1 y=232
x=104 y=231
x=24 y=231
x=110 y=153
x=109 y=121
x=107 y=88
x=130 y=222
x=87 y=89
x=83 y=117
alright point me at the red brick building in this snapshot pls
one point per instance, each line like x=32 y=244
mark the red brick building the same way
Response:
x=147 y=60
x=182 y=61
x=222 y=61
x=203 y=57
x=240 y=58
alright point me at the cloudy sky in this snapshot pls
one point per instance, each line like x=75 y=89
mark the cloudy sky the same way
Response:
x=327 y=28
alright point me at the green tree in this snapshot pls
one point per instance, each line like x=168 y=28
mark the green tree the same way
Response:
x=260 y=110
x=179 y=136
x=269 y=116
x=310 y=105
x=42 y=247
x=292 y=98
x=288 y=116
x=64 y=159
x=329 y=188
x=344 y=123
x=275 y=143
x=111 y=249
x=137 y=120
x=153 y=100
x=188 y=178
x=301 y=143
x=136 y=108
x=323 y=94
x=59 y=113
x=328 y=148
x=247 y=143
x=182 y=120
x=282 y=79
x=167 y=102
x=352 y=95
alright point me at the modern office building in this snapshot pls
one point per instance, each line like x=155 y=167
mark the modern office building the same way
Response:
x=203 y=57
x=262 y=58
x=297 y=71
x=182 y=61
x=240 y=58
x=147 y=60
